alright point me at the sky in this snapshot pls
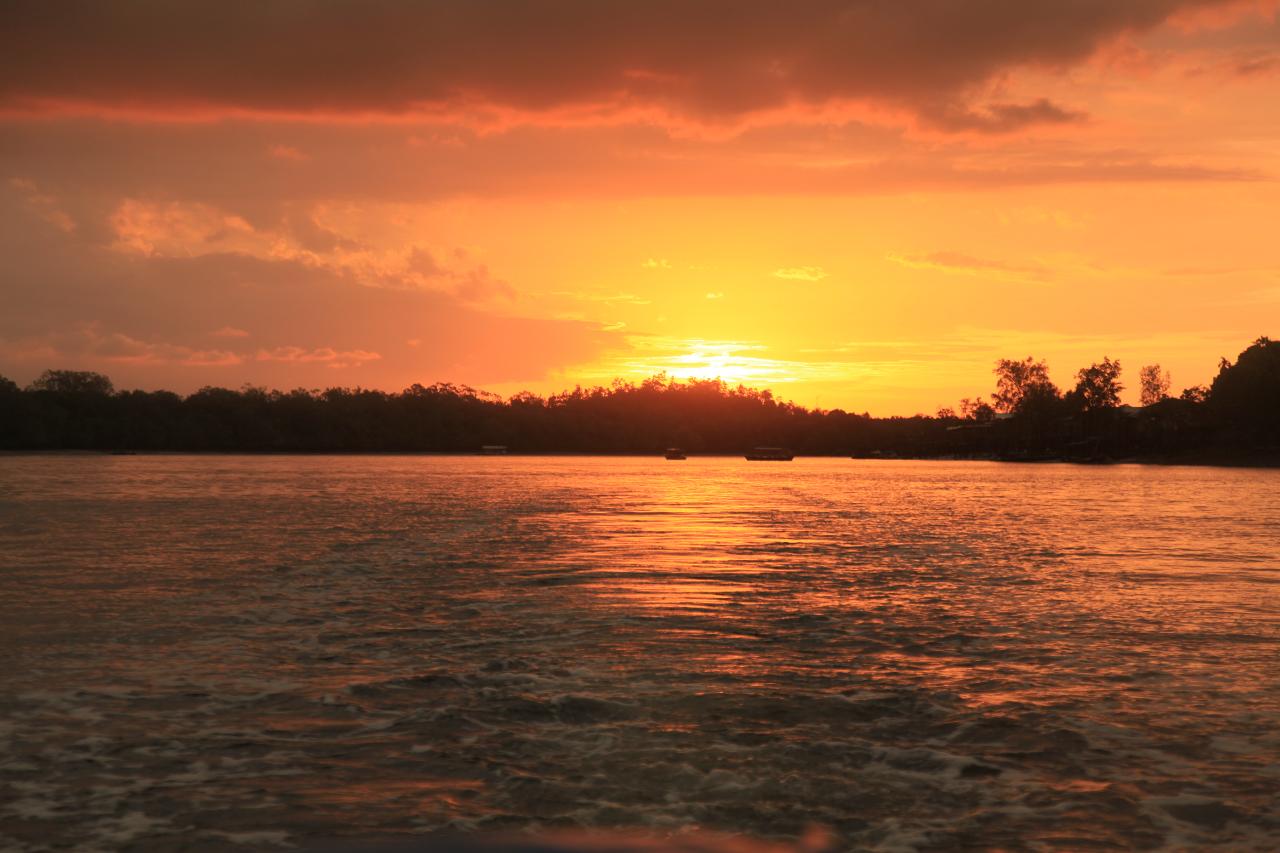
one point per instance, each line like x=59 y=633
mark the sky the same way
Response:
x=860 y=204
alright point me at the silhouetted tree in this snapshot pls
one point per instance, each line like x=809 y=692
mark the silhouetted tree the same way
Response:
x=1098 y=386
x=13 y=417
x=1247 y=394
x=1016 y=380
x=1195 y=394
x=70 y=408
x=1040 y=401
x=977 y=410
x=72 y=382
x=73 y=409
x=1155 y=384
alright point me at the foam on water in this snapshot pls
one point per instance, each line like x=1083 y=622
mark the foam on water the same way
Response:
x=262 y=652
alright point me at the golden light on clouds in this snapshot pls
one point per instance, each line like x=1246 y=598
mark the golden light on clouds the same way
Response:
x=800 y=273
x=1072 y=185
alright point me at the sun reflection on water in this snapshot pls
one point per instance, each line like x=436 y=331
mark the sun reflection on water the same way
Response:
x=896 y=651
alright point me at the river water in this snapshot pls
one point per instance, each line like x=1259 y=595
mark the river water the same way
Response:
x=212 y=652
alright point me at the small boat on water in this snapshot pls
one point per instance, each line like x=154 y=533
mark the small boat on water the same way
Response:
x=770 y=454
x=675 y=453
x=493 y=450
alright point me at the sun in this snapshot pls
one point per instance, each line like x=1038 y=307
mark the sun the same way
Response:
x=725 y=362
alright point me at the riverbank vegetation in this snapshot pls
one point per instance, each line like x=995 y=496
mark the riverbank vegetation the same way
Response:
x=1236 y=418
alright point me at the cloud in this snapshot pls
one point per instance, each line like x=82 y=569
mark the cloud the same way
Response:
x=175 y=228
x=328 y=354
x=1257 y=64
x=1002 y=118
x=145 y=319
x=1210 y=272
x=212 y=358
x=555 y=59
x=303 y=229
x=1217 y=16
x=800 y=273
x=959 y=262
x=607 y=298
x=1265 y=296
x=89 y=166
x=656 y=264
x=188 y=229
x=88 y=343
x=469 y=282
x=287 y=152
x=43 y=204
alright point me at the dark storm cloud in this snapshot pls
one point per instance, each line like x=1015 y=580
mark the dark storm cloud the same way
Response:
x=708 y=59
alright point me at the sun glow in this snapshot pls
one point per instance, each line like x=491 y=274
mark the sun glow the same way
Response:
x=1115 y=200
x=725 y=362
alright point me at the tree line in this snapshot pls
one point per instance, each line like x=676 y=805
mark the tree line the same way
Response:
x=1026 y=417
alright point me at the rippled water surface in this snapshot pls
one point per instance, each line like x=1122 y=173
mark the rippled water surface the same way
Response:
x=209 y=652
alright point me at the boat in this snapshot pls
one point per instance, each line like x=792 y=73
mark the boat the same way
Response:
x=770 y=454
x=493 y=450
x=675 y=453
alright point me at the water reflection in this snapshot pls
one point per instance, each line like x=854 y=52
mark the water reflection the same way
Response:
x=238 y=651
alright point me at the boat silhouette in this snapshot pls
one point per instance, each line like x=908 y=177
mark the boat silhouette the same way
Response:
x=770 y=454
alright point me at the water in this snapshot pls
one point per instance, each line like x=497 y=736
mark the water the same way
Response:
x=213 y=652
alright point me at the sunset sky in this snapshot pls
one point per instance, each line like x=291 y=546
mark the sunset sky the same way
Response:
x=859 y=203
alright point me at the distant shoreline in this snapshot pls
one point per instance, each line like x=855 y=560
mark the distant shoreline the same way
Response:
x=1264 y=460
x=1235 y=422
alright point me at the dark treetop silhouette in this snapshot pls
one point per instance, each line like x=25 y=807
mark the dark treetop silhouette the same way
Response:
x=1236 y=419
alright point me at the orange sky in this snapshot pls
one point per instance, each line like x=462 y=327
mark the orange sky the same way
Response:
x=860 y=204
